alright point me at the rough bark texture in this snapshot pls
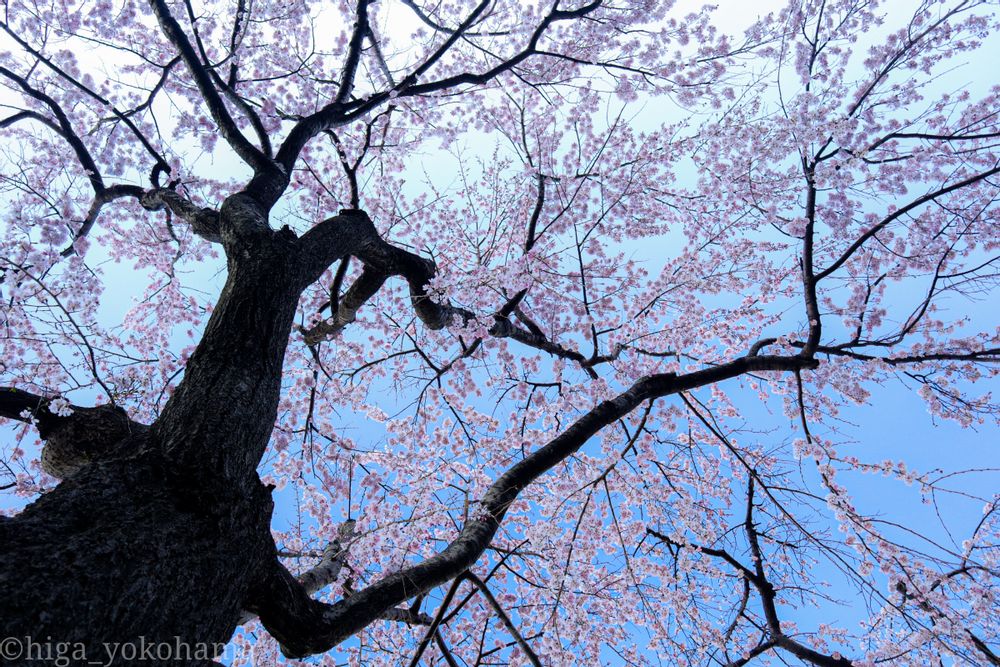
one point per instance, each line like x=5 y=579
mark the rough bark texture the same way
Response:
x=158 y=533
x=161 y=533
x=133 y=551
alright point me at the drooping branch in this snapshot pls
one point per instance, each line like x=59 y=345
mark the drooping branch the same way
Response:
x=774 y=636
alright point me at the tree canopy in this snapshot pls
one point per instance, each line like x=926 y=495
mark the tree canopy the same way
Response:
x=502 y=332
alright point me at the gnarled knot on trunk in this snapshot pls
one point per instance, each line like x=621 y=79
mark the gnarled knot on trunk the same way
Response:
x=85 y=436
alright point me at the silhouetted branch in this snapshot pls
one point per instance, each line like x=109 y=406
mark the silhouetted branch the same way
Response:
x=305 y=627
x=216 y=107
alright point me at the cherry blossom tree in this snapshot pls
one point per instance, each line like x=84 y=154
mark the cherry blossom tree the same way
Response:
x=570 y=378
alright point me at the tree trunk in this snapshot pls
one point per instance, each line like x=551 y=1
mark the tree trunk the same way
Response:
x=149 y=552
x=132 y=552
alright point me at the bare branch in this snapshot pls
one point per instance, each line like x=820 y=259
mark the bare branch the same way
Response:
x=917 y=203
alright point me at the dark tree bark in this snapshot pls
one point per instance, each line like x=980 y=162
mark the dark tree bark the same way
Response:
x=134 y=550
x=160 y=532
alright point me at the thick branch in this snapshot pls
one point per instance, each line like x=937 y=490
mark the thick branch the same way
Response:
x=332 y=561
x=307 y=627
x=325 y=572
x=352 y=233
x=362 y=289
x=361 y=28
x=106 y=196
x=808 y=272
x=760 y=649
x=204 y=221
x=286 y=608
